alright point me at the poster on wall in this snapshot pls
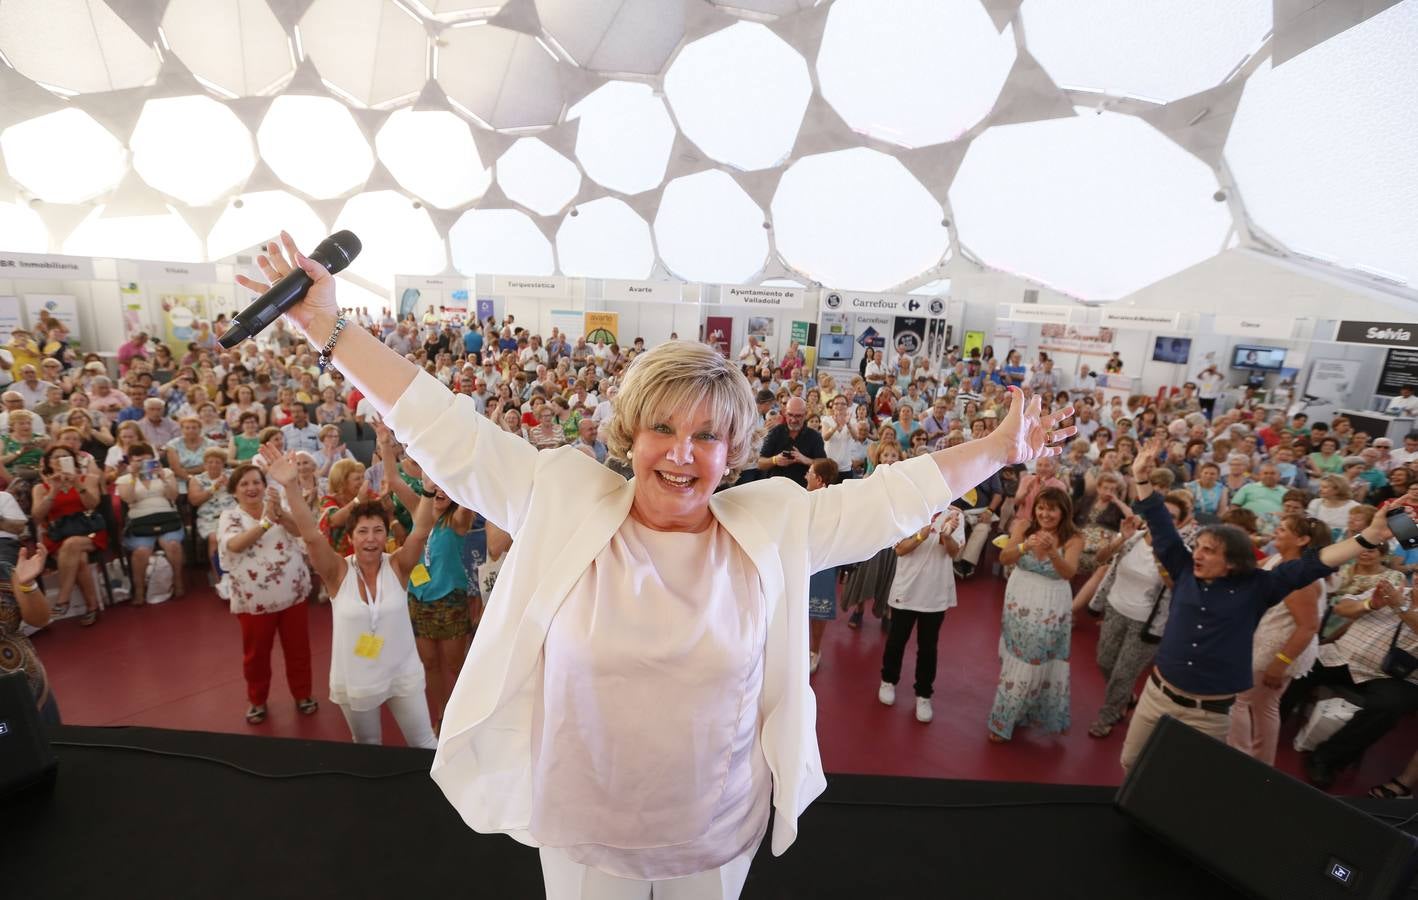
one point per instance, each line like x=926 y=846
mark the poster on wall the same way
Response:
x=873 y=331
x=9 y=317
x=60 y=307
x=131 y=296
x=938 y=334
x=835 y=343
x=181 y=312
x=908 y=335
x=485 y=309
x=760 y=326
x=720 y=331
x=1331 y=379
x=602 y=327
x=1089 y=340
x=974 y=341
x=1400 y=370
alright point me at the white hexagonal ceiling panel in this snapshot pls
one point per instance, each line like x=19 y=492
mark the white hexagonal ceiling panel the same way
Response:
x=23 y=229
x=81 y=46
x=258 y=217
x=857 y=219
x=708 y=229
x=135 y=237
x=1326 y=163
x=740 y=94
x=375 y=51
x=625 y=136
x=913 y=72
x=314 y=145
x=432 y=154
x=236 y=45
x=397 y=237
x=605 y=239
x=499 y=241
x=536 y=176
x=1096 y=205
x=505 y=79
x=192 y=148
x=63 y=157
x=632 y=36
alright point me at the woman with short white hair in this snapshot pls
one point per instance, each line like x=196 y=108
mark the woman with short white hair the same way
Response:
x=637 y=694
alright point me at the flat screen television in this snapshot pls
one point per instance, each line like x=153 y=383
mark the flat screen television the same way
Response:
x=1258 y=358
x=1172 y=350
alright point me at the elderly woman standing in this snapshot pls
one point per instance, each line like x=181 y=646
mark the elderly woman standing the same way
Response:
x=266 y=581
x=650 y=594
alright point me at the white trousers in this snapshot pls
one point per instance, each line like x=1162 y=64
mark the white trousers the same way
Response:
x=410 y=712
x=568 y=880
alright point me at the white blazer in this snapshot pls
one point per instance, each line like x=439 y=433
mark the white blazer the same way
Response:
x=561 y=509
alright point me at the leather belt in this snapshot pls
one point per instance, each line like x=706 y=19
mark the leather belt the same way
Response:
x=1216 y=706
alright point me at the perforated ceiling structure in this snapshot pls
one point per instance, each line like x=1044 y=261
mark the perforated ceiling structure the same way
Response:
x=1096 y=148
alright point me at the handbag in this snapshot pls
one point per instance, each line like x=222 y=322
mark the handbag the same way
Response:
x=79 y=524
x=155 y=524
x=1398 y=663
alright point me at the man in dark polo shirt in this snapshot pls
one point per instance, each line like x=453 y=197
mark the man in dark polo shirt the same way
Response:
x=1218 y=598
x=791 y=447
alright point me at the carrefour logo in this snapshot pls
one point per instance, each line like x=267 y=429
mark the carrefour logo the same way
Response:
x=834 y=301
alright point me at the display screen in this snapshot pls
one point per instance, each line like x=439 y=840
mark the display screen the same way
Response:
x=1172 y=349
x=1258 y=358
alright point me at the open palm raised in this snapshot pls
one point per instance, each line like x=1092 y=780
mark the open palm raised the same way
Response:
x=1029 y=433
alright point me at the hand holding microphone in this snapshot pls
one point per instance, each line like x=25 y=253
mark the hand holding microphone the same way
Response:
x=301 y=287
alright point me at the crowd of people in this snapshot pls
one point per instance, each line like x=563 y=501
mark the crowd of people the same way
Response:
x=241 y=458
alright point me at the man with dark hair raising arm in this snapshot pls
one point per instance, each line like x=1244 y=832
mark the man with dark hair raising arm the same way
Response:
x=1219 y=596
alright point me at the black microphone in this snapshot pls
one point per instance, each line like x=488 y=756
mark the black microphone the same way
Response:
x=334 y=253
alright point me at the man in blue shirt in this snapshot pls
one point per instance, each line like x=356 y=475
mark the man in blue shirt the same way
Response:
x=472 y=342
x=1218 y=598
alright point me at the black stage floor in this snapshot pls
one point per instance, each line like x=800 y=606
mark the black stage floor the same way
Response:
x=140 y=824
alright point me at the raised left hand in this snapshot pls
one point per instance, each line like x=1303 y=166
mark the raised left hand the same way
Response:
x=30 y=565
x=1029 y=433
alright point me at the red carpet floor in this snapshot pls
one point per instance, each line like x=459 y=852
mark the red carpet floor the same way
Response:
x=178 y=665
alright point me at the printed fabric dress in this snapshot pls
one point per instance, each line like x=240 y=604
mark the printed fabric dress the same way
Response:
x=1033 y=650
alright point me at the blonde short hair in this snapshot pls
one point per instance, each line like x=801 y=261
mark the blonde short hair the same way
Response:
x=340 y=472
x=1340 y=485
x=682 y=375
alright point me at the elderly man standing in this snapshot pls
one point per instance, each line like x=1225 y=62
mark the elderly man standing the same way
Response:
x=791 y=447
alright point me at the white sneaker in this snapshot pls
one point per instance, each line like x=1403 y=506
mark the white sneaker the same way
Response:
x=812 y=660
x=923 y=709
x=887 y=694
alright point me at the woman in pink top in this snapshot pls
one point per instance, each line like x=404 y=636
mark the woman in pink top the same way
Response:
x=636 y=698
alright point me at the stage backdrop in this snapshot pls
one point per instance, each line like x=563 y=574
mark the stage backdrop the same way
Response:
x=720 y=330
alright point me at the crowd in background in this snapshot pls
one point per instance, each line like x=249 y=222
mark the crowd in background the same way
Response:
x=237 y=459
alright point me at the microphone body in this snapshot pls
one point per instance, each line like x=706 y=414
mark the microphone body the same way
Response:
x=334 y=253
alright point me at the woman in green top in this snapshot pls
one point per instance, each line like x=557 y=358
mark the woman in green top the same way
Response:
x=247 y=442
x=438 y=598
x=1327 y=460
x=22 y=448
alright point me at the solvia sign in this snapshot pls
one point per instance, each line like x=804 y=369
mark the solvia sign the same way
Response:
x=1386 y=334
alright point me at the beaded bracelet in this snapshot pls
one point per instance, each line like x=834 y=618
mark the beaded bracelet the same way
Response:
x=324 y=361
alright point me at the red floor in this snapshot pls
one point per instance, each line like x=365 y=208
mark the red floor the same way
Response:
x=178 y=665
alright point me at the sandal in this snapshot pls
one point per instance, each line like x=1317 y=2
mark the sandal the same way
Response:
x=1100 y=729
x=89 y=618
x=1386 y=790
x=308 y=706
x=255 y=715
x=996 y=739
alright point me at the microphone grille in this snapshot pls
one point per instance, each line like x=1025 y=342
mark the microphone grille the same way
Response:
x=337 y=251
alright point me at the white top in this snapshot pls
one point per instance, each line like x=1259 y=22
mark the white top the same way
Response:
x=646 y=760
x=1403 y=406
x=1401 y=457
x=874 y=372
x=10 y=509
x=360 y=682
x=149 y=494
x=1336 y=517
x=1210 y=385
x=1275 y=629
x=925 y=577
x=1135 y=587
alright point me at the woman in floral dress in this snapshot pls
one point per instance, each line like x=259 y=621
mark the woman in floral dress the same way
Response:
x=266 y=579
x=1038 y=603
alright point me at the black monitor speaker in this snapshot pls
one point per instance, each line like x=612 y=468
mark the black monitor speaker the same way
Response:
x=26 y=759
x=1259 y=829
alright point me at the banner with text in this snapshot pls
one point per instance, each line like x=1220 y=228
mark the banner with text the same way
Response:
x=641 y=291
x=1033 y=312
x=1275 y=329
x=180 y=273
x=1140 y=319
x=1384 y=334
x=546 y=286
x=1087 y=340
x=61 y=307
x=719 y=331
x=884 y=304
x=45 y=265
x=763 y=297
x=1400 y=370
x=182 y=312
x=1331 y=379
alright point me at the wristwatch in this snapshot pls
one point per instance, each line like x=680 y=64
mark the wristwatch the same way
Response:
x=1364 y=542
x=265 y=524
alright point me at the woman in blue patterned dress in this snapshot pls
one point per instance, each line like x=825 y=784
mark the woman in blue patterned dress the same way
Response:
x=1038 y=604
